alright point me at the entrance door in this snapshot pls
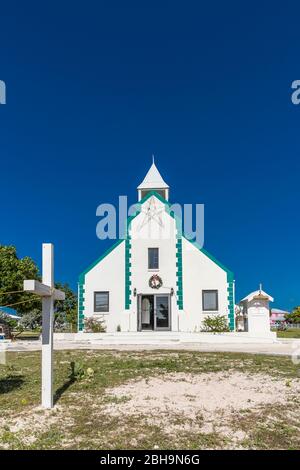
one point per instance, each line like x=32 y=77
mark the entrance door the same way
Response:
x=146 y=313
x=154 y=312
x=162 y=320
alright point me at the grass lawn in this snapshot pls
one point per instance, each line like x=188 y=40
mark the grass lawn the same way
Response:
x=153 y=399
x=27 y=335
x=291 y=333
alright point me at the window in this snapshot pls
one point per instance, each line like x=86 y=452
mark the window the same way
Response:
x=161 y=192
x=152 y=258
x=101 y=301
x=210 y=300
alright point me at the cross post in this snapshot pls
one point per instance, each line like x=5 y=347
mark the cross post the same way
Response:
x=48 y=293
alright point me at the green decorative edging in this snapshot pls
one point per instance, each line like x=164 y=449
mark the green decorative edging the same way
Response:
x=128 y=290
x=179 y=275
x=230 y=290
x=179 y=282
x=81 y=291
x=127 y=272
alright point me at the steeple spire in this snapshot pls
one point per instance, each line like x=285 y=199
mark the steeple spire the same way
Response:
x=153 y=182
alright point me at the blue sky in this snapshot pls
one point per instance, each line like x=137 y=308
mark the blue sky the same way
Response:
x=94 y=88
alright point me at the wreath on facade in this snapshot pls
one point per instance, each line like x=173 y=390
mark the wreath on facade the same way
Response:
x=155 y=281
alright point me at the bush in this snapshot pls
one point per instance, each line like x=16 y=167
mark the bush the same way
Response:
x=281 y=327
x=6 y=324
x=77 y=371
x=91 y=325
x=215 y=324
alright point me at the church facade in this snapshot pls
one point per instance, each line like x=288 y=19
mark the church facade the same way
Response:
x=155 y=279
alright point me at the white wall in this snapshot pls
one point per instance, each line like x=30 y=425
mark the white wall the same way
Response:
x=258 y=317
x=200 y=273
x=108 y=275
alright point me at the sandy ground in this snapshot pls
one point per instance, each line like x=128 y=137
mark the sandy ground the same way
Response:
x=205 y=393
x=205 y=402
x=176 y=402
x=282 y=347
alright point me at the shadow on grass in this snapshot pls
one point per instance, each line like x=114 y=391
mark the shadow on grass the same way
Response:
x=72 y=378
x=10 y=383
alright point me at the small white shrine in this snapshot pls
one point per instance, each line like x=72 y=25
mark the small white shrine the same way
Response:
x=256 y=313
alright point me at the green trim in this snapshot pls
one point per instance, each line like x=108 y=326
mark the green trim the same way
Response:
x=179 y=281
x=230 y=303
x=80 y=306
x=128 y=283
x=127 y=274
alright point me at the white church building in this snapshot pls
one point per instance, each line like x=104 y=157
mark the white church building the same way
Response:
x=155 y=279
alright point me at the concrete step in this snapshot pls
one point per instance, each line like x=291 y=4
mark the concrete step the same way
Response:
x=162 y=338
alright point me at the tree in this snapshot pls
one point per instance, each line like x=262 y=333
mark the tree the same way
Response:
x=293 y=317
x=13 y=271
x=7 y=320
x=66 y=310
x=31 y=320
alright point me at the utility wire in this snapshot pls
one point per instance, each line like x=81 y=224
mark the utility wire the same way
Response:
x=13 y=292
x=17 y=303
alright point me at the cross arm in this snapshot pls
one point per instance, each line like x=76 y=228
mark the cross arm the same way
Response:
x=36 y=287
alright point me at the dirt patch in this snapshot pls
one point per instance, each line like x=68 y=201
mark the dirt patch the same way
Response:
x=28 y=424
x=190 y=393
x=203 y=402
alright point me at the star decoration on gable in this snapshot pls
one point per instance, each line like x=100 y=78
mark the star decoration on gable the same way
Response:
x=152 y=212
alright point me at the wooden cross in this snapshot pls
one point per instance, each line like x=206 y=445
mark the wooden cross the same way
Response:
x=48 y=293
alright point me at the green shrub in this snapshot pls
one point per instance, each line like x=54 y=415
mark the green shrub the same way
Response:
x=215 y=324
x=91 y=325
x=77 y=371
x=282 y=327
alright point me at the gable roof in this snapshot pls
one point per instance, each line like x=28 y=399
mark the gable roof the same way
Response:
x=230 y=275
x=153 y=179
x=257 y=294
x=278 y=311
